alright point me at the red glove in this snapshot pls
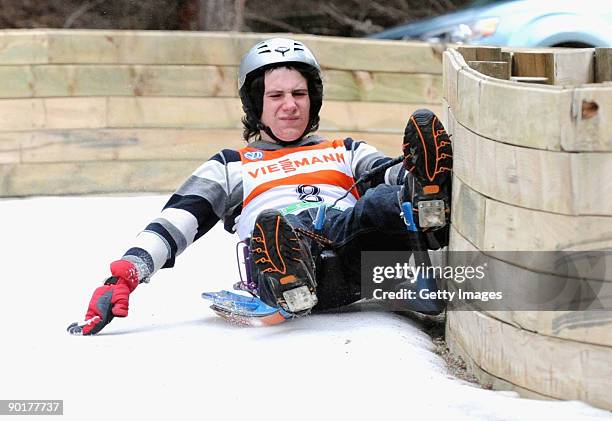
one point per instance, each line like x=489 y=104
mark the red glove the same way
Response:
x=112 y=299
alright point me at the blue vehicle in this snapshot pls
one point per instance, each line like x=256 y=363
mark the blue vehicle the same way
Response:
x=522 y=23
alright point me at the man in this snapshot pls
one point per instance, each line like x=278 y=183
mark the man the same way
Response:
x=285 y=180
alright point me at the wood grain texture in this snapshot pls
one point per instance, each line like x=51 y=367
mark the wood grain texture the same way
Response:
x=525 y=286
x=382 y=87
x=452 y=63
x=591 y=110
x=480 y=53
x=603 y=65
x=554 y=367
x=145 y=144
x=94 y=177
x=526 y=119
x=58 y=162
x=209 y=48
x=532 y=64
x=495 y=69
x=84 y=80
x=485 y=378
x=582 y=114
x=559 y=182
x=574 y=66
x=511 y=228
x=23 y=47
x=187 y=112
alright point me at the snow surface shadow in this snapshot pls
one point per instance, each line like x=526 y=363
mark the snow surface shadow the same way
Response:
x=312 y=322
x=210 y=321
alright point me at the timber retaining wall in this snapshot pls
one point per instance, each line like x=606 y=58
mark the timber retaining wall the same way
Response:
x=95 y=111
x=532 y=137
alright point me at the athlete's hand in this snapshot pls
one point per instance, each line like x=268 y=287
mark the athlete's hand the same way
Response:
x=110 y=300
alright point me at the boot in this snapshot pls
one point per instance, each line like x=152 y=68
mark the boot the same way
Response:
x=283 y=264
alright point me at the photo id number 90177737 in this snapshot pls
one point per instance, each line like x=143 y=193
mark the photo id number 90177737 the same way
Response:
x=31 y=407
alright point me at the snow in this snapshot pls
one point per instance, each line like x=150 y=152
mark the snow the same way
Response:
x=173 y=358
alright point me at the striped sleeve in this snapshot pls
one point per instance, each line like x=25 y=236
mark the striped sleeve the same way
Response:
x=365 y=157
x=191 y=211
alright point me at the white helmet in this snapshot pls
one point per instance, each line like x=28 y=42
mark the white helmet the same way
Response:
x=276 y=52
x=273 y=51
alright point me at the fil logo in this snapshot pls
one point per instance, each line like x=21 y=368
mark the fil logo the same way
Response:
x=282 y=50
x=253 y=155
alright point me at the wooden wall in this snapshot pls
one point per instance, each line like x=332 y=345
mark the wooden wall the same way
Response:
x=533 y=173
x=87 y=111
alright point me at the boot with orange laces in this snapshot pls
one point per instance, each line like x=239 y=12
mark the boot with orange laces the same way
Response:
x=428 y=157
x=283 y=264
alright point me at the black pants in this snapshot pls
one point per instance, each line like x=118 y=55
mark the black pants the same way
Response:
x=373 y=224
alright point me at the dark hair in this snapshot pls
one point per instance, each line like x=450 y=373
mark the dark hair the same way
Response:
x=254 y=88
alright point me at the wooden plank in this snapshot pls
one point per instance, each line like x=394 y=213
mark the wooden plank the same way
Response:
x=22 y=114
x=592 y=327
x=530 y=178
x=507 y=57
x=144 y=47
x=529 y=106
x=603 y=64
x=592 y=120
x=591 y=180
x=23 y=46
x=509 y=228
x=452 y=63
x=369 y=116
x=39 y=113
x=221 y=113
x=571 y=282
x=496 y=69
x=399 y=56
x=554 y=367
x=534 y=240
x=16 y=81
x=132 y=80
x=534 y=64
x=94 y=177
x=226 y=49
x=480 y=53
x=484 y=377
x=115 y=161
x=145 y=144
x=125 y=144
x=68 y=113
x=530 y=79
x=551 y=366
x=467 y=110
x=468 y=53
x=574 y=66
x=582 y=115
x=584 y=326
x=210 y=113
x=198 y=80
x=10 y=150
x=383 y=87
x=468 y=213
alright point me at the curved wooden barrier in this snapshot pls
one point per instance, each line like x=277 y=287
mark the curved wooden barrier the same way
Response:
x=102 y=111
x=533 y=177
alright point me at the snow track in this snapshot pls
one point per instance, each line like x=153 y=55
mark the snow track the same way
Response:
x=172 y=358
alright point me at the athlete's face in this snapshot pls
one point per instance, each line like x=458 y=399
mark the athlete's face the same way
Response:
x=286 y=104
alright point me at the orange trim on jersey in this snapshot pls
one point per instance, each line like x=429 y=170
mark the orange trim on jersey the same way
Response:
x=332 y=177
x=267 y=155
